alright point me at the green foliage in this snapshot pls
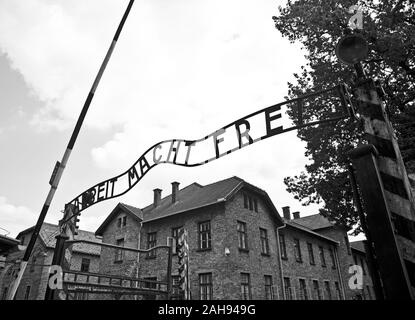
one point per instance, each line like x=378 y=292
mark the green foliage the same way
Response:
x=389 y=28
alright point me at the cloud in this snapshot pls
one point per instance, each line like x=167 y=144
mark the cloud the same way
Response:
x=15 y=218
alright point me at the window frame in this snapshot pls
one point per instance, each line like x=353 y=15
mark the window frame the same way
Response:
x=327 y=289
x=119 y=253
x=333 y=258
x=245 y=286
x=263 y=234
x=206 y=288
x=201 y=233
x=319 y=295
x=297 y=250
x=241 y=228
x=88 y=264
x=322 y=256
x=151 y=243
x=288 y=289
x=311 y=257
x=269 y=288
x=303 y=289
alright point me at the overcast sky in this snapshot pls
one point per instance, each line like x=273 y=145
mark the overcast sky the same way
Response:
x=181 y=69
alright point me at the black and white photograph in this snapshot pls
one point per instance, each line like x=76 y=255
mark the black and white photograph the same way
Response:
x=167 y=152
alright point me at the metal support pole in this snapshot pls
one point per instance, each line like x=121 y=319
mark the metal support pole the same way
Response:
x=169 y=277
x=57 y=260
x=391 y=264
x=370 y=254
x=60 y=166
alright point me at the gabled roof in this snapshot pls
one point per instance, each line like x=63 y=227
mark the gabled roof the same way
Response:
x=49 y=231
x=315 y=222
x=295 y=225
x=134 y=212
x=7 y=243
x=196 y=196
x=358 y=245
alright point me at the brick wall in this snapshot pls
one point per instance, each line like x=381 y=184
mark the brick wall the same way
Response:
x=305 y=270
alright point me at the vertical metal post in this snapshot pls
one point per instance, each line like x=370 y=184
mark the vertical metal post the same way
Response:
x=370 y=255
x=391 y=264
x=169 y=276
x=58 y=170
x=57 y=260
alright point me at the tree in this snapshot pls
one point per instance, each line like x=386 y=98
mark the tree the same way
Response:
x=389 y=28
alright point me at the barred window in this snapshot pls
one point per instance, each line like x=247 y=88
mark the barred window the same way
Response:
x=205 y=286
x=245 y=286
x=204 y=235
x=242 y=235
x=264 y=241
x=269 y=289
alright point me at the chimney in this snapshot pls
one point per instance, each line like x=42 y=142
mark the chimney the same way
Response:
x=174 y=191
x=157 y=197
x=296 y=215
x=286 y=212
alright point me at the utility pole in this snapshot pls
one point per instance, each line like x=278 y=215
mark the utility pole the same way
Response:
x=60 y=166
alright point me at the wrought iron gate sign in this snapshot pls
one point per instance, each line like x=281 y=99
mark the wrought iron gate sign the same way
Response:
x=241 y=133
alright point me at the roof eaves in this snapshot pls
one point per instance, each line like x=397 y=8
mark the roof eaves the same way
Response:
x=298 y=226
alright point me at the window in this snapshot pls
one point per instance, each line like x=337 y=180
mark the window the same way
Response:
x=346 y=240
x=338 y=292
x=151 y=243
x=369 y=293
x=362 y=263
x=85 y=265
x=4 y=295
x=332 y=258
x=288 y=290
x=205 y=286
x=297 y=251
x=124 y=221
x=264 y=241
x=322 y=257
x=303 y=294
x=242 y=237
x=250 y=203
x=119 y=222
x=175 y=232
x=119 y=253
x=27 y=293
x=283 y=247
x=204 y=235
x=327 y=290
x=269 y=289
x=316 y=290
x=245 y=286
x=311 y=253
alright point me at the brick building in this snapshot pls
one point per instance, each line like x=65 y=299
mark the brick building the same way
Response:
x=35 y=279
x=240 y=247
x=232 y=235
